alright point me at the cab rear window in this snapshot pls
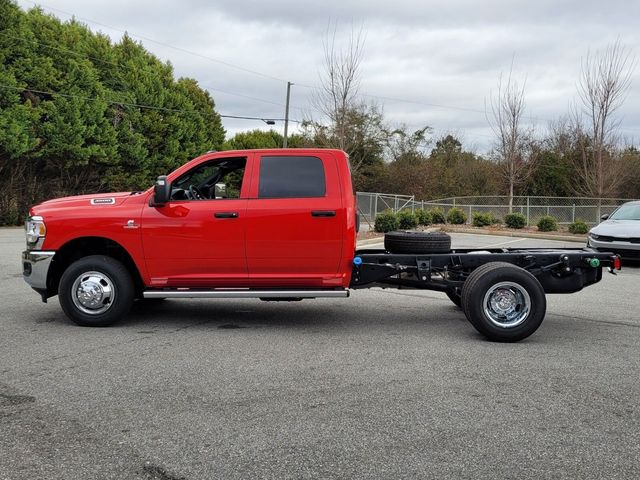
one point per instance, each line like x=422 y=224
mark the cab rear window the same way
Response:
x=291 y=177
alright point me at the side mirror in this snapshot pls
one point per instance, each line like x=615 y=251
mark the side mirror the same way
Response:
x=161 y=191
x=604 y=217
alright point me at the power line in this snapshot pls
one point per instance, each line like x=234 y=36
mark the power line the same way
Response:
x=254 y=72
x=264 y=75
x=47 y=45
x=405 y=100
x=242 y=95
x=139 y=105
x=157 y=42
x=120 y=65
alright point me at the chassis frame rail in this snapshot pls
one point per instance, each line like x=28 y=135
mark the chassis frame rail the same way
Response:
x=557 y=270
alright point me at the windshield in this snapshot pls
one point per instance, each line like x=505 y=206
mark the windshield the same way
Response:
x=626 y=212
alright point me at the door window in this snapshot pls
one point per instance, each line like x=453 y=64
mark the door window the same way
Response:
x=291 y=177
x=219 y=179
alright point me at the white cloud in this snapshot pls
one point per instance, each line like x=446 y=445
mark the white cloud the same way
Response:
x=447 y=53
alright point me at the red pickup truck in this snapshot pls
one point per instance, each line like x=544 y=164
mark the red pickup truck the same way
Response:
x=276 y=224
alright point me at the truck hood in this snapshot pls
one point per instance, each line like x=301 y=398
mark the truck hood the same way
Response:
x=618 y=228
x=97 y=200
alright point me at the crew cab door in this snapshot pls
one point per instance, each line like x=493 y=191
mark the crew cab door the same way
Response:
x=295 y=220
x=198 y=238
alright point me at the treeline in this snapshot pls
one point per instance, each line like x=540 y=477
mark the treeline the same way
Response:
x=70 y=120
x=396 y=161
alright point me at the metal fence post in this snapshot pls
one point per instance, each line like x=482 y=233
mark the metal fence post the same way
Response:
x=375 y=207
x=573 y=214
x=528 y=218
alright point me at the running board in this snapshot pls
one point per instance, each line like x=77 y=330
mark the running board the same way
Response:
x=245 y=293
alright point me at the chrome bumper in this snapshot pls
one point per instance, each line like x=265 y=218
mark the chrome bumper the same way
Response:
x=35 y=268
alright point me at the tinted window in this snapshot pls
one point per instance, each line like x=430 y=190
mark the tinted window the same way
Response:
x=291 y=177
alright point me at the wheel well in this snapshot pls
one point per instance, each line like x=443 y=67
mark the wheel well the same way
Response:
x=83 y=247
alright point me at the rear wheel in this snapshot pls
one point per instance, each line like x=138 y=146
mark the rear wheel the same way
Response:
x=503 y=302
x=96 y=291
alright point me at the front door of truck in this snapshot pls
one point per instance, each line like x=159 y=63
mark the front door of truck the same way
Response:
x=198 y=238
x=295 y=221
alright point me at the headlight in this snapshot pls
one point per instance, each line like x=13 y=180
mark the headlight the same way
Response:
x=594 y=236
x=36 y=231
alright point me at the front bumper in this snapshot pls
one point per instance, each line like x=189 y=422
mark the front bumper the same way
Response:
x=619 y=246
x=35 y=268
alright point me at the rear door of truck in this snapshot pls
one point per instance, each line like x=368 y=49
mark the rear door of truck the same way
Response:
x=295 y=220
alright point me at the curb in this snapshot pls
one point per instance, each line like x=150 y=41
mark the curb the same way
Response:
x=541 y=236
x=370 y=241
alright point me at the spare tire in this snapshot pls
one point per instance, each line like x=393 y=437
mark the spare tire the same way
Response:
x=411 y=241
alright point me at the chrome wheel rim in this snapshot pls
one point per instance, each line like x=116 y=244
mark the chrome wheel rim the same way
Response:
x=507 y=304
x=93 y=293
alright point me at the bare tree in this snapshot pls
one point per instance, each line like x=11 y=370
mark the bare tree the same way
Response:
x=604 y=82
x=513 y=139
x=340 y=81
x=346 y=122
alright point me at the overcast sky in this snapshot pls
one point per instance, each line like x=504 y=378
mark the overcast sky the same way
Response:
x=434 y=62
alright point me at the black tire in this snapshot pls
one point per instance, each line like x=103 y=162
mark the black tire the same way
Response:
x=455 y=295
x=417 y=242
x=522 y=290
x=104 y=275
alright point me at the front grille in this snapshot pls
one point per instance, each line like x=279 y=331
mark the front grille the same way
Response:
x=604 y=238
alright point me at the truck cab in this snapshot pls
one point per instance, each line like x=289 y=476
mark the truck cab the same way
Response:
x=251 y=221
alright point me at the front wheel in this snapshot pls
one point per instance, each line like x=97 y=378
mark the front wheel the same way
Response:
x=503 y=302
x=96 y=291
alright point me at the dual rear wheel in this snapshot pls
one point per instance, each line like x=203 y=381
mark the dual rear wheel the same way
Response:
x=503 y=302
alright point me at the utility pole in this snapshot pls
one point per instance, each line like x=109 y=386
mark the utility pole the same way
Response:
x=286 y=115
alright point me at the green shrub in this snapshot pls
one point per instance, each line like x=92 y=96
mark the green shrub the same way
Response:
x=407 y=220
x=424 y=217
x=495 y=220
x=456 y=216
x=482 y=219
x=515 y=220
x=578 y=227
x=437 y=215
x=386 y=221
x=547 y=224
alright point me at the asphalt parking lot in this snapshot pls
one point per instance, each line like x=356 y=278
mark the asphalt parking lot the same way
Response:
x=387 y=384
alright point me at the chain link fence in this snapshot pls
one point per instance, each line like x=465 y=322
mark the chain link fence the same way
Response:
x=565 y=210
